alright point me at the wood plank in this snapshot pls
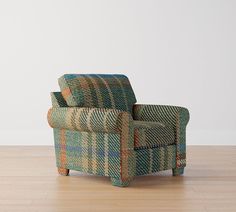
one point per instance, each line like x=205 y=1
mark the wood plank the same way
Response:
x=29 y=182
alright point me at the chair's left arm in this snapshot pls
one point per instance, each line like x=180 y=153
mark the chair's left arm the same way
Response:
x=175 y=116
x=100 y=120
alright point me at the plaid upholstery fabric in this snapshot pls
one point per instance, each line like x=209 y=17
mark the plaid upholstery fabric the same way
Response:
x=155 y=159
x=58 y=100
x=85 y=119
x=152 y=134
x=94 y=153
x=110 y=122
x=178 y=117
x=94 y=131
x=98 y=90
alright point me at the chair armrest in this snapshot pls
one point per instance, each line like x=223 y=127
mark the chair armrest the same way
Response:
x=89 y=119
x=104 y=121
x=168 y=114
x=176 y=116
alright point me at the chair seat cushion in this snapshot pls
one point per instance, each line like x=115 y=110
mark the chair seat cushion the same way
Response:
x=149 y=134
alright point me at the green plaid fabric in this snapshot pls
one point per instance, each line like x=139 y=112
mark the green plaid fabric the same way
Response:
x=155 y=159
x=85 y=119
x=94 y=153
x=152 y=134
x=177 y=117
x=95 y=132
x=91 y=125
x=58 y=100
x=98 y=90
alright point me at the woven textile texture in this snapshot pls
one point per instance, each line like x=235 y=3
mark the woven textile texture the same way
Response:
x=94 y=153
x=98 y=90
x=155 y=159
x=152 y=134
x=58 y=100
x=98 y=129
x=177 y=117
x=107 y=123
x=85 y=119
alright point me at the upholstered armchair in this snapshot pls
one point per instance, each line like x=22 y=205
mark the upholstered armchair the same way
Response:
x=98 y=129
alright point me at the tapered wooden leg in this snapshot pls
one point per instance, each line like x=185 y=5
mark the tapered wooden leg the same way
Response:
x=178 y=171
x=63 y=171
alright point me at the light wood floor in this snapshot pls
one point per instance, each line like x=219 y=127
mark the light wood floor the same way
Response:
x=29 y=182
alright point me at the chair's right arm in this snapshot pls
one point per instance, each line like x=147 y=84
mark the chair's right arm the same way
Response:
x=175 y=116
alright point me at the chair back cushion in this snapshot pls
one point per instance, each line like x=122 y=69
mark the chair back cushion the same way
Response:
x=98 y=90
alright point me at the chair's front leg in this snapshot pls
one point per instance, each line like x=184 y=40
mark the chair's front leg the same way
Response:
x=121 y=183
x=63 y=171
x=178 y=171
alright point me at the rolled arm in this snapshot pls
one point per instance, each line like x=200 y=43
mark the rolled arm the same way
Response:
x=176 y=116
x=88 y=119
x=104 y=121
x=162 y=113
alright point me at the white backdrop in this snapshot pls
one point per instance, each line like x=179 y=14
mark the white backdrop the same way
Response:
x=174 y=52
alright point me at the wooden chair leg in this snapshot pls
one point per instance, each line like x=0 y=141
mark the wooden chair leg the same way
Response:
x=178 y=171
x=63 y=171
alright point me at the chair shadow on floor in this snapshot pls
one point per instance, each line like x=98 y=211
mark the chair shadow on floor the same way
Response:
x=159 y=179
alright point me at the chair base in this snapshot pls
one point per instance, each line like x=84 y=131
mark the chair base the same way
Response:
x=119 y=183
x=63 y=171
x=178 y=171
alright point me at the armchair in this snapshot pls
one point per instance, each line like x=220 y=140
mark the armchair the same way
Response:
x=99 y=129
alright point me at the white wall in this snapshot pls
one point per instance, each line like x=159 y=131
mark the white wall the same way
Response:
x=174 y=52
